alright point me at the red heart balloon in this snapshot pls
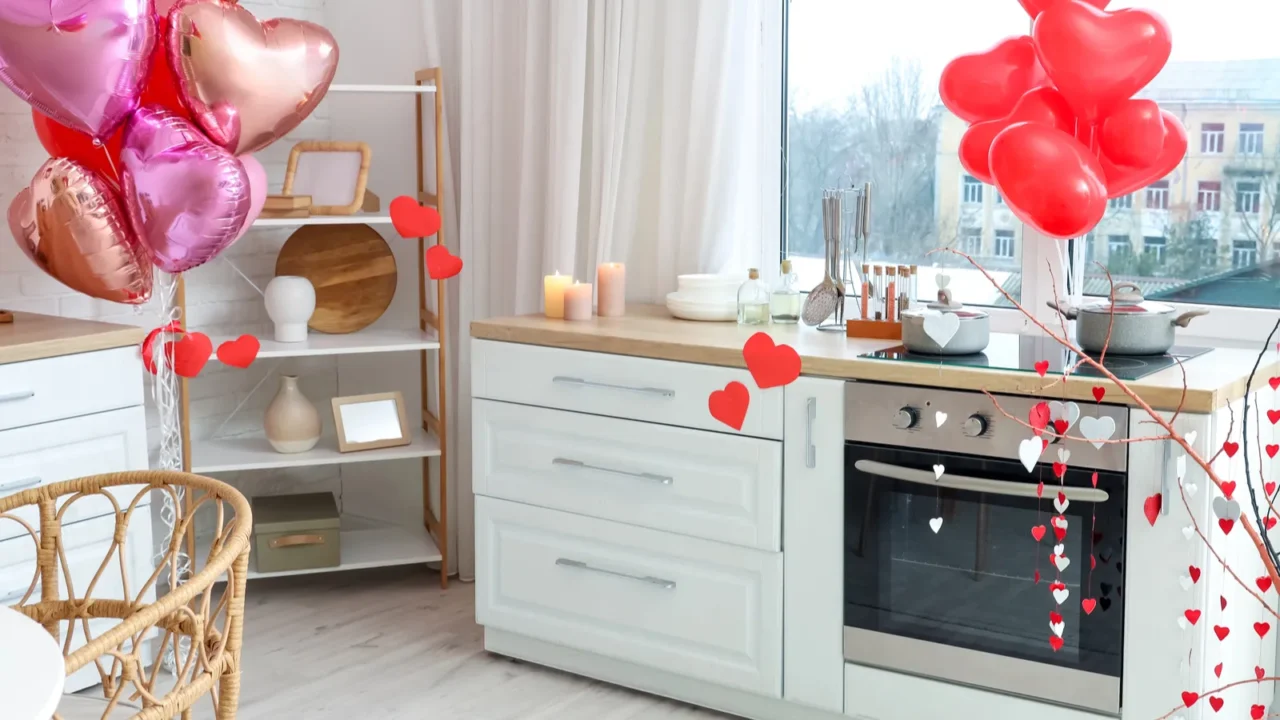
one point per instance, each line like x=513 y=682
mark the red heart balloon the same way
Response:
x=239 y=353
x=1043 y=105
x=1049 y=179
x=442 y=264
x=1134 y=134
x=1035 y=7
x=412 y=220
x=987 y=85
x=190 y=354
x=1099 y=59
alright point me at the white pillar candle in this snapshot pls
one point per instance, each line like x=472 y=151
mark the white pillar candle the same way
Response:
x=553 y=287
x=611 y=279
x=577 y=302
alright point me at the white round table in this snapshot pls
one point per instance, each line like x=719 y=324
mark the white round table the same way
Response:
x=32 y=672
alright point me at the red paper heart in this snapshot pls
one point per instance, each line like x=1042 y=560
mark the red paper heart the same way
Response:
x=1194 y=572
x=1189 y=698
x=770 y=365
x=1093 y=563
x=1257 y=711
x=1270 y=487
x=240 y=352
x=1055 y=617
x=1037 y=577
x=1228 y=488
x=1221 y=632
x=729 y=405
x=1258 y=672
x=412 y=220
x=1035 y=7
x=1044 y=106
x=441 y=264
x=1059 y=469
x=1099 y=59
x=1133 y=135
x=1151 y=508
x=1263 y=582
x=1226 y=524
x=1230 y=448
x=1060 y=426
x=190 y=354
x=1095 y=479
x=1044 y=444
x=1271 y=452
x=1055 y=642
x=1088 y=604
x=1262 y=628
x=1059 y=525
x=1192 y=616
x=1275 y=382
x=987 y=85
x=1037 y=532
x=1222 y=602
x=1099 y=393
x=148 y=344
x=1042 y=367
x=1122 y=180
x=1049 y=180
x=1215 y=703
x=1273 y=416
x=1269 y=522
x=1040 y=489
x=1038 y=417
x=1217 y=669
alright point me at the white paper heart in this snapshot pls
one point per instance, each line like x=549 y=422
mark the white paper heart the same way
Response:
x=1182 y=623
x=1190 y=437
x=1226 y=509
x=1029 y=452
x=1059 y=549
x=1061 y=562
x=1064 y=455
x=939 y=418
x=1181 y=465
x=1097 y=430
x=1060 y=595
x=1058 y=522
x=1060 y=503
x=1185 y=582
x=1189 y=532
x=935 y=525
x=941 y=327
x=938 y=470
x=1068 y=411
x=1058 y=628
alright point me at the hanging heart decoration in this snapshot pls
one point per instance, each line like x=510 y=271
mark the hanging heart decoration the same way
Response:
x=770 y=365
x=1037 y=532
x=1188 y=532
x=1273 y=416
x=1060 y=592
x=412 y=220
x=1029 y=453
x=1216 y=703
x=938 y=470
x=1230 y=448
x=1059 y=470
x=1226 y=509
x=1222 y=602
x=1181 y=467
x=1263 y=583
x=1064 y=455
x=1269 y=522
x=1217 y=670
x=1262 y=628
x=1190 y=698
x=1059 y=525
x=939 y=418
x=1042 y=367
x=1097 y=430
x=1191 y=438
x=1226 y=524
x=941 y=327
x=1257 y=711
x=1258 y=672
x=239 y=353
x=1038 y=417
x=1191 y=489
x=1151 y=508
x=935 y=525
x=442 y=264
x=1088 y=604
x=1194 y=573
x=729 y=405
x=1274 y=382
x=1271 y=453
x=1221 y=632
x=1228 y=488
x=1192 y=616
x=1055 y=642
x=1061 y=562
x=1068 y=411
x=1186 y=582
x=1057 y=628
x=1099 y=393
x=1061 y=504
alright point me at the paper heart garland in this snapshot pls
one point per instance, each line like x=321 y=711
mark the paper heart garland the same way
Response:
x=1192 y=616
x=1263 y=583
x=729 y=405
x=1216 y=703
x=1189 y=698
x=1059 y=525
x=1271 y=453
x=1257 y=711
x=1038 y=417
x=987 y=85
x=939 y=418
x=1064 y=455
x=1151 y=508
x=1068 y=411
x=1060 y=593
x=1060 y=504
x=1097 y=430
x=1217 y=670
x=1134 y=134
x=1226 y=524
x=1055 y=642
x=1037 y=532
x=1088 y=604
x=938 y=470
x=1258 y=672
x=1044 y=106
x=1061 y=562
x=935 y=525
x=1099 y=392
x=1057 y=628
x=1029 y=453
x=1042 y=367
x=412 y=220
x=190 y=354
x=1049 y=180
x=1226 y=509
x=441 y=264
x=1273 y=416
x=1274 y=382
x=1221 y=632
x=1122 y=180
x=239 y=353
x=247 y=83
x=1194 y=573
x=1262 y=628
x=771 y=365
x=941 y=327
x=1228 y=488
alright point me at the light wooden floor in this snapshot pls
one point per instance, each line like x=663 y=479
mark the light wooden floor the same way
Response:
x=390 y=644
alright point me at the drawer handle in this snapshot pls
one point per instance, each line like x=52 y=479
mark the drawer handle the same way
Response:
x=296 y=541
x=22 y=484
x=810 y=450
x=661 y=392
x=17 y=395
x=649 y=579
x=663 y=479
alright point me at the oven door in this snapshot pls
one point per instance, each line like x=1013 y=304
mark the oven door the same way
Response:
x=971 y=601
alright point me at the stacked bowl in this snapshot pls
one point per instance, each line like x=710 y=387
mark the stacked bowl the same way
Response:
x=712 y=298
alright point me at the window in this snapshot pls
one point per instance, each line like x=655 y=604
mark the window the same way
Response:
x=1212 y=138
x=1248 y=197
x=1118 y=245
x=1209 y=196
x=1244 y=253
x=1154 y=246
x=999 y=198
x=1004 y=244
x=972 y=190
x=971 y=241
x=1158 y=195
x=1250 y=139
x=1124 y=202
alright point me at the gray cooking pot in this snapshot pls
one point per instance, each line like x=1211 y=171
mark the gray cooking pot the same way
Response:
x=1141 y=327
x=971 y=337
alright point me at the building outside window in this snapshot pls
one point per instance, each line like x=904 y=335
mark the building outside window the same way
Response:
x=972 y=190
x=1004 y=244
x=971 y=241
x=1248 y=197
x=1118 y=245
x=1154 y=246
x=1244 y=253
x=1250 y=139
x=1124 y=202
x=1212 y=138
x=999 y=198
x=1158 y=195
x=1209 y=196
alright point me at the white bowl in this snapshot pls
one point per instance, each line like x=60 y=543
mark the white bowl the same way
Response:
x=704 y=298
x=686 y=283
x=706 y=312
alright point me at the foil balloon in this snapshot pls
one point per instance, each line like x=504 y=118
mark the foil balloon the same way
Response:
x=257 y=191
x=61 y=141
x=80 y=62
x=72 y=226
x=247 y=83
x=188 y=199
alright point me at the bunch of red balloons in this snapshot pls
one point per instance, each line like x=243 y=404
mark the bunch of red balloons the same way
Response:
x=1053 y=121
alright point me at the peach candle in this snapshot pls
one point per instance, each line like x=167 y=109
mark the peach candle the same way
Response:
x=611 y=279
x=553 y=287
x=577 y=302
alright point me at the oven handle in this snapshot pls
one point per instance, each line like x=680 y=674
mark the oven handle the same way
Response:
x=973 y=484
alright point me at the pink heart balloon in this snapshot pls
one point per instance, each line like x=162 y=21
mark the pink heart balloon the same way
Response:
x=257 y=191
x=80 y=62
x=247 y=83
x=69 y=222
x=1133 y=134
x=188 y=199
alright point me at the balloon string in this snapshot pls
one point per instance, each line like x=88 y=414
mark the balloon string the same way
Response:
x=110 y=162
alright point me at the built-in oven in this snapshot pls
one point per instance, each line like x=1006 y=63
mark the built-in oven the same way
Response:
x=958 y=564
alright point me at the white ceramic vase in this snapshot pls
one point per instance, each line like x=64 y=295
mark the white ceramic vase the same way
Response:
x=292 y=421
x=290 y=300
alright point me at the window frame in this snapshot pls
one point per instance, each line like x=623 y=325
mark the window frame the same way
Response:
x=966 y=185
x=1215 y=193
x=1255 y=194
x=1256 y=139
x=1207 y=136
x=1158 y=189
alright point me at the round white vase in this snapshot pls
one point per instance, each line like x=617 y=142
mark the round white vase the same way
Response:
x=292 y=422
x=290 y=300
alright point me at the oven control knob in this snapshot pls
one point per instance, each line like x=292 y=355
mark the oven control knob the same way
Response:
x=975 y=426
x=906 y=418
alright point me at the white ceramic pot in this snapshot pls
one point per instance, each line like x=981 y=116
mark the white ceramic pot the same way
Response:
x=292 y=422
x=290 y=300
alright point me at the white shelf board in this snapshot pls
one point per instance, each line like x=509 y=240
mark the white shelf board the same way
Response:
x=356 y=219
x=363 y=342
x=253 y=452
x=409 y=89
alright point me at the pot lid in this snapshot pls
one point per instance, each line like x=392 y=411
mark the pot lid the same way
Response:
x=1127 y=299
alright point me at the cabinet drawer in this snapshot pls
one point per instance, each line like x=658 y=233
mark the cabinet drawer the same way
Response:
x=657 y=391
x=692 y=482
x=875 y=693
x=62 y=387
x=67 y=449
x=698 y=608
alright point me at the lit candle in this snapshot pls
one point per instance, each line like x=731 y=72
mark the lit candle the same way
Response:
x=553 y=287
x=611 y=278
x=577 y=302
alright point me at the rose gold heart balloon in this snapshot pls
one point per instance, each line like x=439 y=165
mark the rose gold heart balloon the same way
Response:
x=70 y=223
x=247 y=82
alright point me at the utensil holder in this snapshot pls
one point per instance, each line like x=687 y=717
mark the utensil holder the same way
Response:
x=873 y=329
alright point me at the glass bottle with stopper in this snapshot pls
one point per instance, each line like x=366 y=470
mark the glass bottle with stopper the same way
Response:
x=785 y=300
x=753 y=301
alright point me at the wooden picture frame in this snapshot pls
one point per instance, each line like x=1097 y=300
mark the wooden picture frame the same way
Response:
x=327 y=183
x=352 y=439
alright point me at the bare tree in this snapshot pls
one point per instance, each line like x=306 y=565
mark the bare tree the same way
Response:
x=1251 y=197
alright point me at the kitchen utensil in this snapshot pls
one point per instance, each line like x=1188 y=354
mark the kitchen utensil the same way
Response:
x=1140 y=328
x=822 y=299
x=972 y=335
x=837 y=324
x=352 y=269
x=866 y=220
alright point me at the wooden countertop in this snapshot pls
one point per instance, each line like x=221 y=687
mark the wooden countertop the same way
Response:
x=33 y=337
x=1213 y=380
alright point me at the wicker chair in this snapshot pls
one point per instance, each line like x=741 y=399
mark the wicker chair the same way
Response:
x=198 y=628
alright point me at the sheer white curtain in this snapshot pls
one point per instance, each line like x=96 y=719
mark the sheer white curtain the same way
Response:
x=594 y=131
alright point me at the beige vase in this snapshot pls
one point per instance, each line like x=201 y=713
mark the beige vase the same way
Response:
x=292 y=422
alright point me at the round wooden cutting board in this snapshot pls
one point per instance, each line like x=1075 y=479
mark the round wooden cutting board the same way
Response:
x=352 y=269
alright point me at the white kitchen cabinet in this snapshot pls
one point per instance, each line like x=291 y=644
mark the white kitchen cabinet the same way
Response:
x=875 y=694
x=813 y=580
